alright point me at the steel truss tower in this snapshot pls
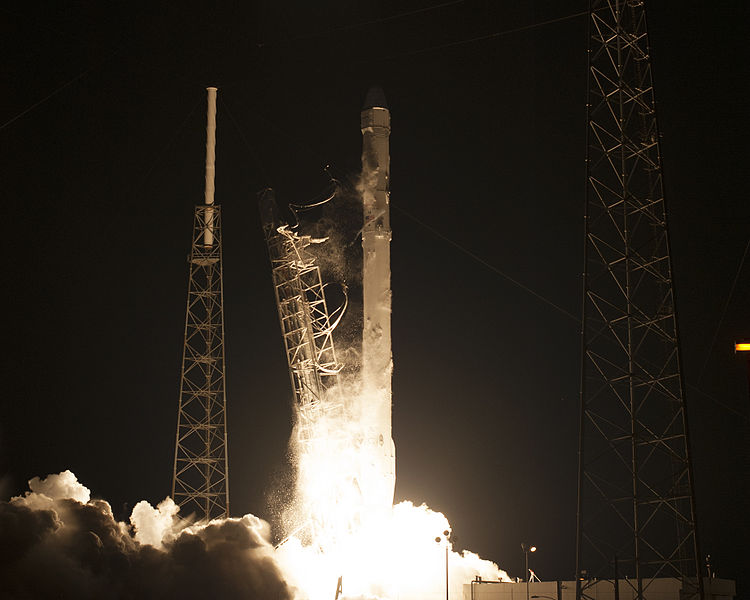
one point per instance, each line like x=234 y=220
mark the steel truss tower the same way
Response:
x=200 y=483
x=636 y=509
x=305 y=323
x=320 y=411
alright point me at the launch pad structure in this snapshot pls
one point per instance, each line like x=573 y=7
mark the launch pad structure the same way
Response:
x=306 y=326
x=307 y=332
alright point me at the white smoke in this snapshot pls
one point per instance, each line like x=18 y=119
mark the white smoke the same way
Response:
x=43 y=492
x=394 y=558
x=56 y=542
x=154 y=526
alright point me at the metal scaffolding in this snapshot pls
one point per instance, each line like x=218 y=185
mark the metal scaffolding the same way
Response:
x=306 y=325
x=320 y=408
x=636 y=509
x=200 y=483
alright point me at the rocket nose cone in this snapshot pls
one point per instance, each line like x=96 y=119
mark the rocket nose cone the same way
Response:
x=375 y=98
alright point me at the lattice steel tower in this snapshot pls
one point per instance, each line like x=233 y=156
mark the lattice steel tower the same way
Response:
x=306 y=326
x=307 y=331
x=636 y=509
x=200 y=482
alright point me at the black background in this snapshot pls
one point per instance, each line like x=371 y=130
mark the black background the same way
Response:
x=101 y=172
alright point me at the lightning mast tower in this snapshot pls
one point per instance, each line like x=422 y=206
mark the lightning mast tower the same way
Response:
x=200 y=482
x=636 y=508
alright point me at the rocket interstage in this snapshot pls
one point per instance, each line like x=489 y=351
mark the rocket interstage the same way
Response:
x=377 y=364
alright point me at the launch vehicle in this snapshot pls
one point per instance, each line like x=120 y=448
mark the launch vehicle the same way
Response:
x=344 y=451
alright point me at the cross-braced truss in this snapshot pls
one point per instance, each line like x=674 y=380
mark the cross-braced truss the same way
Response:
x=636 y=501
x=200 y=482
x=320 y=408
x=305 y=325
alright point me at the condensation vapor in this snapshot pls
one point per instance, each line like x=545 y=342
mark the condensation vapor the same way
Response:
x=58 y=542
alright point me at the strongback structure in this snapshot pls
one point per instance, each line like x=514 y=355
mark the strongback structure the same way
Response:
x=636 y=510
x=200 y=482
x=320 y=415
x=305 y=323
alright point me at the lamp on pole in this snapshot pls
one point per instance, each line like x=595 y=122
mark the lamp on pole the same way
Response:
x=438 y=539
x=743 y=349
x=526 y=549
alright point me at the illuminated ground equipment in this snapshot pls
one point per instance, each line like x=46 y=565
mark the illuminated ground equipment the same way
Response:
x=200 y=483
x=636 y=504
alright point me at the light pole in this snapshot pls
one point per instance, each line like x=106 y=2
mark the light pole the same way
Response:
x=743 y=349
x=526 y=549
x=438 y=539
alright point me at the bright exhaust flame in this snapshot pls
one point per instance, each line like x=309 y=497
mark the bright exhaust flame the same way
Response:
x=388 y=558
x=378 y=550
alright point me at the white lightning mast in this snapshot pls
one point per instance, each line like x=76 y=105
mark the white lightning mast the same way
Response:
x=208 y=235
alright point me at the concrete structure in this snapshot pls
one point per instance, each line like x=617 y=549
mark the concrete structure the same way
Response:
x=663 y=588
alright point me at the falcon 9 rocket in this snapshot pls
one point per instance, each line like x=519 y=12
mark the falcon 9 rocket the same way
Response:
x=377 y=364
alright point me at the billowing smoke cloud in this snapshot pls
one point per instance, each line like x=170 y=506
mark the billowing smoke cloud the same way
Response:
x=56 y=542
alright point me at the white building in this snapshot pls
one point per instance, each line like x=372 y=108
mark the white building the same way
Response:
x=663 y=588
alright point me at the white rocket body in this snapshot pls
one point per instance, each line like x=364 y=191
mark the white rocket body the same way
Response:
x=377 y=364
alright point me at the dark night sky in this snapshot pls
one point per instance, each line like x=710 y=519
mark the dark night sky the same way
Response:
x=487 y=147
